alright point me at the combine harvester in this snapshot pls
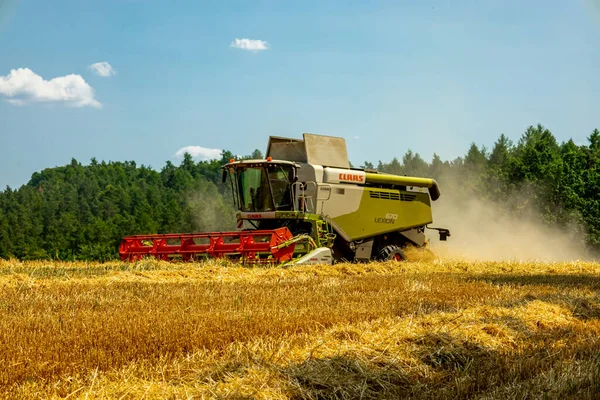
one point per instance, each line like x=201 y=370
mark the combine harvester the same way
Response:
x=303 y=204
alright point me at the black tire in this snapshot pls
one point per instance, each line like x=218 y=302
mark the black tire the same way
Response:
x=391 y=253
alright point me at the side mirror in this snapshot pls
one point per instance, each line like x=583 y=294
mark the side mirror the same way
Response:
x=224 y=178
x=444 y=233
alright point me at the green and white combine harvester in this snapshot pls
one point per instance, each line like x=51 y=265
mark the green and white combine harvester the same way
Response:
x=304 y=204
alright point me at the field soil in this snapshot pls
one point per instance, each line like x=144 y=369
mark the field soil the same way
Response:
x=426 y=328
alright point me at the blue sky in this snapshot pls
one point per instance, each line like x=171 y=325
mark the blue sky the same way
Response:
x=430 y=76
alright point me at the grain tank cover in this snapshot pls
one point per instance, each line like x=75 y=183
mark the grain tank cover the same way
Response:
x=289 y=149
x=329 y=151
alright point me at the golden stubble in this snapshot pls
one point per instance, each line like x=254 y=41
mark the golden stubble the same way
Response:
x=427 y=328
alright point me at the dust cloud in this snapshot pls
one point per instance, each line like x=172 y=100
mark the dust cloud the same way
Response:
x=210 y=211
x=488 y=231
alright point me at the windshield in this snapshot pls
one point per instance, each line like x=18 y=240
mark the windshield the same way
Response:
x=264 y=188
x=255 y=194
x=279 y=178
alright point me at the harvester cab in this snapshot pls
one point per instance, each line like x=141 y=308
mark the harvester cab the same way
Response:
x=261 y=186
x=305 y=204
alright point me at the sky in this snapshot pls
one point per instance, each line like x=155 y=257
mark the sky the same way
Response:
x=145 y=80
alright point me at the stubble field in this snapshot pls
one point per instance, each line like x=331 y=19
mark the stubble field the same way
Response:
x=428 y=328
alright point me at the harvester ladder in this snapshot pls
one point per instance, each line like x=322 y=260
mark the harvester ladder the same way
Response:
x=302 y=201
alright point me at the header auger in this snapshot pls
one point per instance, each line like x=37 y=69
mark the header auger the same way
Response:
x=303 y=204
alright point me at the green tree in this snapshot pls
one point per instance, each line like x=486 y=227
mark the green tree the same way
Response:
x=413 y=164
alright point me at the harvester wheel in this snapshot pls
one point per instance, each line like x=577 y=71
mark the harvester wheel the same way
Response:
x=391 y=253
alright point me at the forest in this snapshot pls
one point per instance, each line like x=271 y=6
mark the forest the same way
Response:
x=81 y=212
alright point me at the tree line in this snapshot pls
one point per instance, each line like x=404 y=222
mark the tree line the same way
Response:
x=82 y=211
x=558 y=182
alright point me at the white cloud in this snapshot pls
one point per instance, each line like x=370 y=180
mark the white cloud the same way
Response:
x=199 y=152
x=22 y=86
x=102 y=69
x=250 y=44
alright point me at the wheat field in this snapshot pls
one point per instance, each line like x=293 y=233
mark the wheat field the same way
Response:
x=427 y=328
